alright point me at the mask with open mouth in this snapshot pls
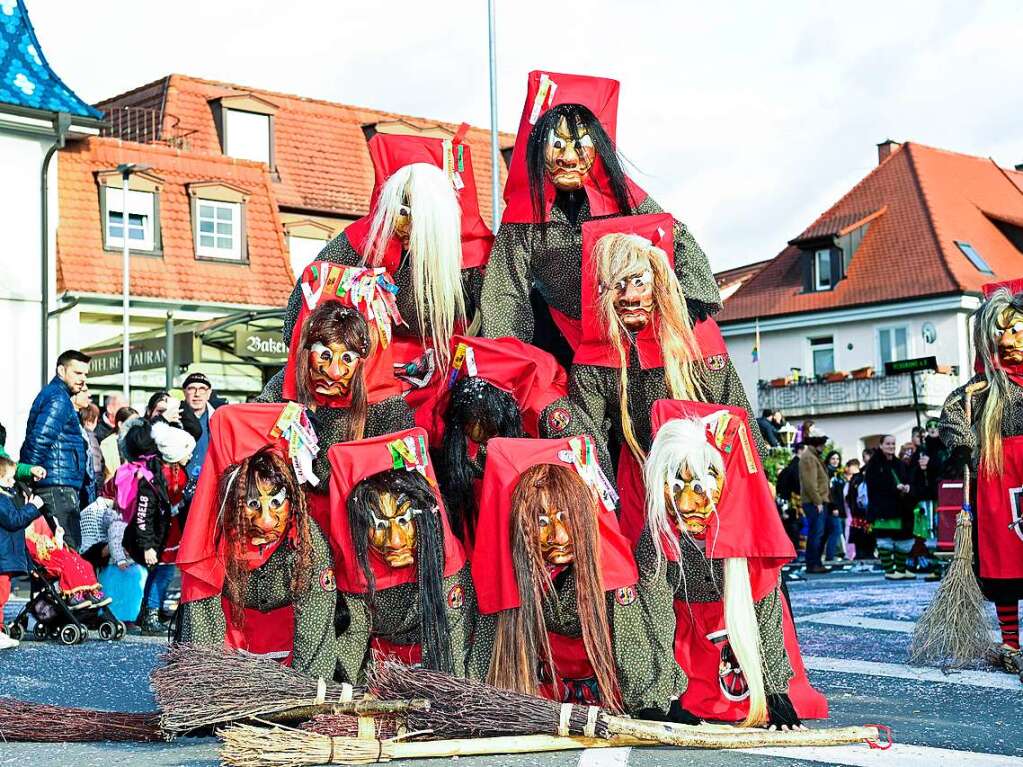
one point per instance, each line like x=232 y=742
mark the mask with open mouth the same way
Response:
x=569 y=154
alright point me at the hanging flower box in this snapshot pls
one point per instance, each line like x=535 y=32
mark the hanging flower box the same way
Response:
x=866 y=372
x=778 y=383
x=835 y=376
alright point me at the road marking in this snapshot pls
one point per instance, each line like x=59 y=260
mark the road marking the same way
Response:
x=853 y=618
x=903 y=755
x=604 y=757
x=989 y=679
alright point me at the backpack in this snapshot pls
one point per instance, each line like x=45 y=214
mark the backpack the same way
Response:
x=788 y=480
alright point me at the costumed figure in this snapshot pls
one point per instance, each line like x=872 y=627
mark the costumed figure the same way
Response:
x=257 y=571
x=406 y=582
x=340 y=364
x=714 y=543
x=498 y=387
x=638 y=346
x=424 y=227
x=982 y=426
x=561 y=615
x=564 y=172
x=76 y=578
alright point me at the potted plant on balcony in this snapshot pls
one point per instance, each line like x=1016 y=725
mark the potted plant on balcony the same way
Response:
x=835 y=376
x=778 y=383
x=864 y=372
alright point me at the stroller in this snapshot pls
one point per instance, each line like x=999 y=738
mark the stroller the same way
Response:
x=52 y=615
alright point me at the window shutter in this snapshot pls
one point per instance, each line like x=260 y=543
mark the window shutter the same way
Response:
x=836 y=267
x=808 y=285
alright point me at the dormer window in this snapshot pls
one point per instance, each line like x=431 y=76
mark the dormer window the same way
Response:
x=245 y=124
x=218 y=221
x=139 y=214
x=822 y=269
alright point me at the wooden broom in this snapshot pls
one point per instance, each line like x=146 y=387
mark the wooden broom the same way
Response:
x=42 y=723
x=953 y=629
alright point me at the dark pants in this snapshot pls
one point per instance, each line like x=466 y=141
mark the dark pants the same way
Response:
x=61 y=503
x=833 y=529
x=814 y=534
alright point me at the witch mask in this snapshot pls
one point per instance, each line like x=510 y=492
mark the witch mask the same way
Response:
x=388 y=511
x=569 y=154
x=693 y=497
x=337 y=342
x=1010 y=336
x=392 y=530
x=267 y=510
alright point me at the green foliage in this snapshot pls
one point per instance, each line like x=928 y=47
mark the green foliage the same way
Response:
x=777 y=459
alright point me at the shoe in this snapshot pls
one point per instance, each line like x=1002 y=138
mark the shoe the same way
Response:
x=819 y=570
x=894 y=576
x=6 y=643
x=99 y=599
x=150 y=624
x=908 y=576
x=1006 y=659
x=79 y=602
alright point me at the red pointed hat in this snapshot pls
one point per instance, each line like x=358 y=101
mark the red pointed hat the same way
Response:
x=236 y=432
x=391 y=152
x=1014 y=286
x=545 y=90
x=746 y=523
x=595 y=347
x=352 y=462
x=530 y=375
x=371 y=292
x=493 y=572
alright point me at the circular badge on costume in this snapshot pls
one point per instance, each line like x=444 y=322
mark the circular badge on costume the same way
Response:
x=625 y=595
x=327 y=580
x=558 y=420
x=456 y=597
x=716 y=361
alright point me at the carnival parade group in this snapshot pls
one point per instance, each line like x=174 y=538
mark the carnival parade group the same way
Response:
x=524 y=458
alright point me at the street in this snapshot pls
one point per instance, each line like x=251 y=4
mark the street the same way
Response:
x=854 y=628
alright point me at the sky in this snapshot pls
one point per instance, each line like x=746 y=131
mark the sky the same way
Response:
x=744 y=119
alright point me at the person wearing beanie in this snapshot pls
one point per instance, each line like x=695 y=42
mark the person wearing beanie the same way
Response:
x=198 y=390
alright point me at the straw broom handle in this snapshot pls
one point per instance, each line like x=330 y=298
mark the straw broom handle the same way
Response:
x=743 y=737
x=362 y=707
x=968 y=393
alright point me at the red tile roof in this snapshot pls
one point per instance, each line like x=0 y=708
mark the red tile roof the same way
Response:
x=83 y=266
x=927 y=199
x=319 y=146
x=730 y=280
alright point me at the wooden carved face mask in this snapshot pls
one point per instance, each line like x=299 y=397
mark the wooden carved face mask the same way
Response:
x=569 y=160
x=1010 y=337
x=267 y=511
x=634 y=300
x=555 y=530
x=403 y=222
x=392 y=529
x=693 y=499
x=331 y=368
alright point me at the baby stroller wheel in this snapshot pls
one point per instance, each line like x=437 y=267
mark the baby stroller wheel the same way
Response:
x=70 y=635
x=107 y=630
x=121 y=631
x=15 y=631
x=39 y=630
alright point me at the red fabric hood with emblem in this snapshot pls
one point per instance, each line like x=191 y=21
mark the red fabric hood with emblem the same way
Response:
x=595 y=348
x=530 y=375
x=352 y=462
x=746 y=524
x=600 y=96
x=391 y=152
x=320 y=282
x=493 y=572
x=236 y=432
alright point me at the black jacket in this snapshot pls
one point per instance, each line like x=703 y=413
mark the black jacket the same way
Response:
x=15 y=516
x=149 y=527
x=770 y=431
x=883 y=475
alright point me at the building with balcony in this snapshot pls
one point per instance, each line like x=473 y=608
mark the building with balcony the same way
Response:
x=891 y=271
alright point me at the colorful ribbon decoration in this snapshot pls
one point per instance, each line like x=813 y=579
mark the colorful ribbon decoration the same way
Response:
x=303 y=446
x=369 y=290
x=410 y=453
x=582 y=457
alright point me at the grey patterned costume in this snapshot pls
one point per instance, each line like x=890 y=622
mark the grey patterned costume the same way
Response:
x=647 y=674
x=203 y=621
x=394 y=617
x=520 y=261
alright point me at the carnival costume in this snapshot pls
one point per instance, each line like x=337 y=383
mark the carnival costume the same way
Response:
x=564 y=172
x=406 y=582
x=714 y=543
x=556 y=584
x=257 y=572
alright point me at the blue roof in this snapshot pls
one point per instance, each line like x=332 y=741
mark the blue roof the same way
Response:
x=26 y=80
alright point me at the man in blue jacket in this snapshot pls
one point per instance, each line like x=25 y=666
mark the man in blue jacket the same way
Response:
x=53 y=440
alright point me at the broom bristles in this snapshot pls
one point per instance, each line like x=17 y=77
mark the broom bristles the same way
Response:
x=953 y=630
x=42 y=723
x=199 y=686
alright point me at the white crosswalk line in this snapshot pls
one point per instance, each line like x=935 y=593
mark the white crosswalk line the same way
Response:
x=989 y=679
x=853 y=618
x=903 y=755
x=604 y=757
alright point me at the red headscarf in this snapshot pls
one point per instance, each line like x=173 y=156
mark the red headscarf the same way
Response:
x=530 y=375
x=390 y=153
x=1014 y=286
x=236 y=432
x=371 y=293
x=545 y=90
x=746 y=523
x=352 y=462
x=493 y=571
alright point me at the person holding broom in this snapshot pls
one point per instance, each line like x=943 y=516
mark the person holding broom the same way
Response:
x=982 y=426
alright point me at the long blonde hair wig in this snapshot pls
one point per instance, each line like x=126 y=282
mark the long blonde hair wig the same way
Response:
x=986 y=332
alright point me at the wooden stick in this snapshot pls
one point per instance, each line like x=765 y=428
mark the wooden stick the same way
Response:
x=740 y=737
x=364 y=707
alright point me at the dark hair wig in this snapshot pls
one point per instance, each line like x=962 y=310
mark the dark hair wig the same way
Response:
x=576 y=115
x=472 y=400
x=429 y=556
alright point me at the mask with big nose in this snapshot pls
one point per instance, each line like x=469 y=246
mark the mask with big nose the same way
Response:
x=1010 y=337
x=332 y=366
x=555 y=531
x=392 y=530
x=267 y=511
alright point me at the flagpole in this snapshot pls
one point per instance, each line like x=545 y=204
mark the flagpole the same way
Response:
x=757 y=344
x=495 y=153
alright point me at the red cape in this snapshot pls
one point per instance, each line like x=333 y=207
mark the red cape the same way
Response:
x=594 y=346
x=530 y=375
x=492 y=570
x=322 y=281
x=352 y=462
x=389 y=153
x=600 y=96
x=236 y=432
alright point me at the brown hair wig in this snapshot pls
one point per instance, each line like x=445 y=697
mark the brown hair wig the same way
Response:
x=521 y=638
x=333 y=323
x=232 y=527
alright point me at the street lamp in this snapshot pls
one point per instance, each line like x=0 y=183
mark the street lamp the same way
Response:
x=126 y=169
x=788 y=434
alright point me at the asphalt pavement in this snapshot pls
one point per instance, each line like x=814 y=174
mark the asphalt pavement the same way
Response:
x=853 y=627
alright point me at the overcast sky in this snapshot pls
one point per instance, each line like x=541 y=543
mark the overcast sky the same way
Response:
x=744 y=119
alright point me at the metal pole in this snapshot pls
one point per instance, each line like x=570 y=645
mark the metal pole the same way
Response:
x=495 y=152
x=916 y=401
x=125 y=292
x=168 y=329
